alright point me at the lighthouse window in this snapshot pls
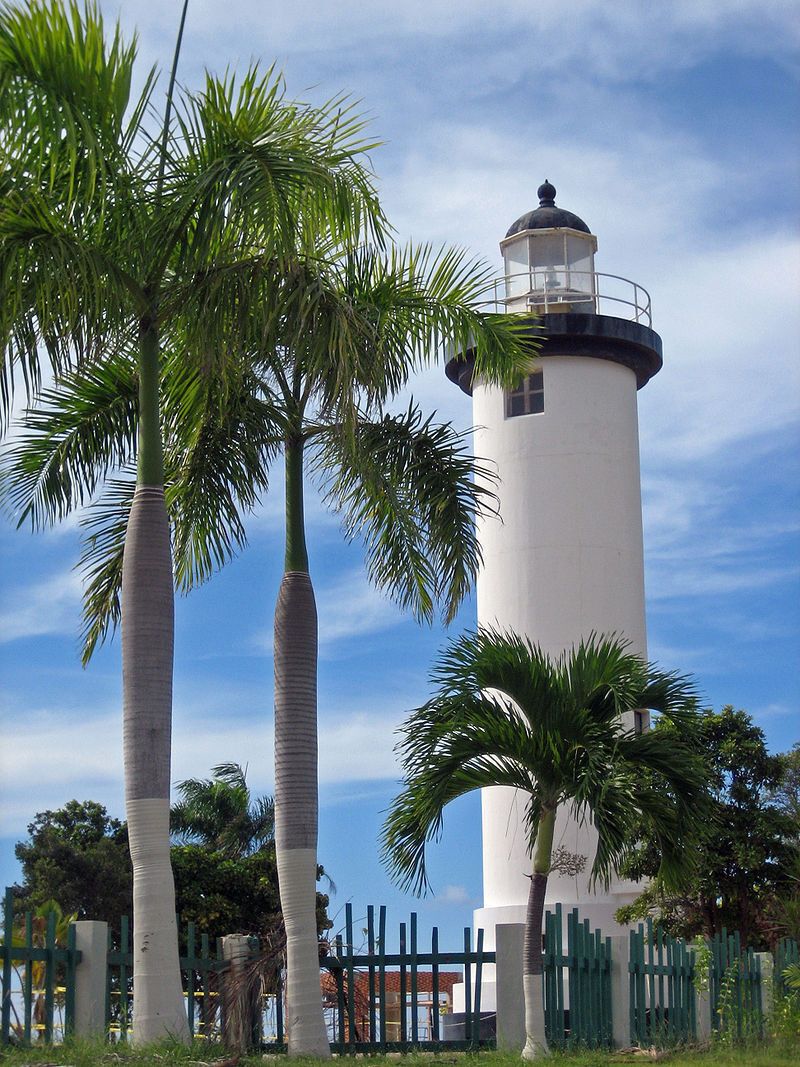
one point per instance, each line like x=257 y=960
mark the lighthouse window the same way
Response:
x=527 y=398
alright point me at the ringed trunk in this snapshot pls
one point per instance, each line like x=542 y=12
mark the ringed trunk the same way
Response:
x=532 y=978
x=296 y=797
x=147 y=662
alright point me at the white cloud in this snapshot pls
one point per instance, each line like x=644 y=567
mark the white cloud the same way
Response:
x=453 y=894
x=359 y=746
x=620 y=40
x=348 y=607
x=50 y=606
x=54 y=753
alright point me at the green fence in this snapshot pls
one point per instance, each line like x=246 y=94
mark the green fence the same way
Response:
x=735 y=987
x=577 y=983
x=662 y=987
x=391 y=1001
x=787 y=951
x=377 y=1000
x=201 y=969
x=43 y=974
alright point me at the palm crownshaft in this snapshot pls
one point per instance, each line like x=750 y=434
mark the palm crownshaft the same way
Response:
x=506 y=714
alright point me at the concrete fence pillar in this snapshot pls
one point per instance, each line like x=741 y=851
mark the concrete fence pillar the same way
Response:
x=620 y=991
x=702 y=1011
x=90 y=978
x=767 y=981
x=241 y=995
x=509 y=943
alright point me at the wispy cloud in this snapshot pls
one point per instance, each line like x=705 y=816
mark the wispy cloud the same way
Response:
x=50 y=606
x=347 y=607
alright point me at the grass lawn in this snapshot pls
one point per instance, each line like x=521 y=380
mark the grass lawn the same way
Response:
x=82 y=1054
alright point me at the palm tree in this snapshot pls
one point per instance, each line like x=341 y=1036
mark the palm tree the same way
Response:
x=506 y=714
x=116 y=240
x=334 y=335
x=220 y=813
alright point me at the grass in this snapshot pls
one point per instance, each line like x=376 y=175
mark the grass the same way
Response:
x=92 y=1054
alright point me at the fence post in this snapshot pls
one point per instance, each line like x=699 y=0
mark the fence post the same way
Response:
x=702 y=1007
x=767 y=982
x=509 y=941
x=91 y=940
x=620 y=991
x=241 y=994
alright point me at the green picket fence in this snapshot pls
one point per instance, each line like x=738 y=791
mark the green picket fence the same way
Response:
x=662 y=987
x=787 y=951
x=43 y=975
x=735 y=986
x=577 y=983
x=365 y=1015
x=378 y=1000
x=200 y=967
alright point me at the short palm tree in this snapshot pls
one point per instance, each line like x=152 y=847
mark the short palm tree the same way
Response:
x=220 y=813
x=507 y=714
x=122 y=241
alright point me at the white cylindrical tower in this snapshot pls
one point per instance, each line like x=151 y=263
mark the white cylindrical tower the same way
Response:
x=565 y=557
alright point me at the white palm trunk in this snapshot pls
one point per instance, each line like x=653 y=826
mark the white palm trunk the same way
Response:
x=147 y=659
x=533 y=985
x=535 y=1040
x=296 y=809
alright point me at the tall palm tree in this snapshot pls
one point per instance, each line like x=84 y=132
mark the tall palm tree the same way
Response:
x=335 y=334
x=221 y=813
x=504 y=713
x=118 y=239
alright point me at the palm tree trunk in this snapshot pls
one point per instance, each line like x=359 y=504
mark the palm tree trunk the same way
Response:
x=535 y=1037
x=296 y=797
x=147 y=660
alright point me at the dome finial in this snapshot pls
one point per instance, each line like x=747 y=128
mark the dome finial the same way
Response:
x=546 y=194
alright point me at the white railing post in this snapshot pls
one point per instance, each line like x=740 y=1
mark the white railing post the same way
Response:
x=91 y=938
x=509 y=942
x=620 y=991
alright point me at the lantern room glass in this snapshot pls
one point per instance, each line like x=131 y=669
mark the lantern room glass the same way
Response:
x=550 y=268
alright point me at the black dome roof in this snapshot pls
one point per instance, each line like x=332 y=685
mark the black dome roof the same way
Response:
x=547 y=216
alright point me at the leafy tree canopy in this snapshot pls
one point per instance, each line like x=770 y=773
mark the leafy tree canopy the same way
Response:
x=78 y=856
x=747 y=861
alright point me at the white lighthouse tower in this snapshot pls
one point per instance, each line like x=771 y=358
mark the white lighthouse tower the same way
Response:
x=564 y=558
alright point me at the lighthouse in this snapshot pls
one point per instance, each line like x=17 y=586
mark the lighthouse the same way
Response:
x=565 y=556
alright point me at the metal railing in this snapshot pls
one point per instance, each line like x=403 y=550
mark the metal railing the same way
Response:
x=554 y=291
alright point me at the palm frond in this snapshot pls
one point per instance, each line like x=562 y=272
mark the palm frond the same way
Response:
x=222 y=435
x=73 y=437
x=104 y=527
x=411 y=489
x=254 y=162
x=64 y=93
x=507 y=714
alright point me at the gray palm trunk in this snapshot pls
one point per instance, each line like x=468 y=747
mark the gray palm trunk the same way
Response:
x=147 y=663
x=535 y=1037
x=296 y=795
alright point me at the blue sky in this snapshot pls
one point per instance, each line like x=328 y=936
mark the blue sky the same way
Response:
x=670 y=129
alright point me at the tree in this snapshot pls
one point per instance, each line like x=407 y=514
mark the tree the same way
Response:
x=348 y=324
x=220 y=814
x=504 y=713
x=118 y=239
x=77 y=855
x=747 y=873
